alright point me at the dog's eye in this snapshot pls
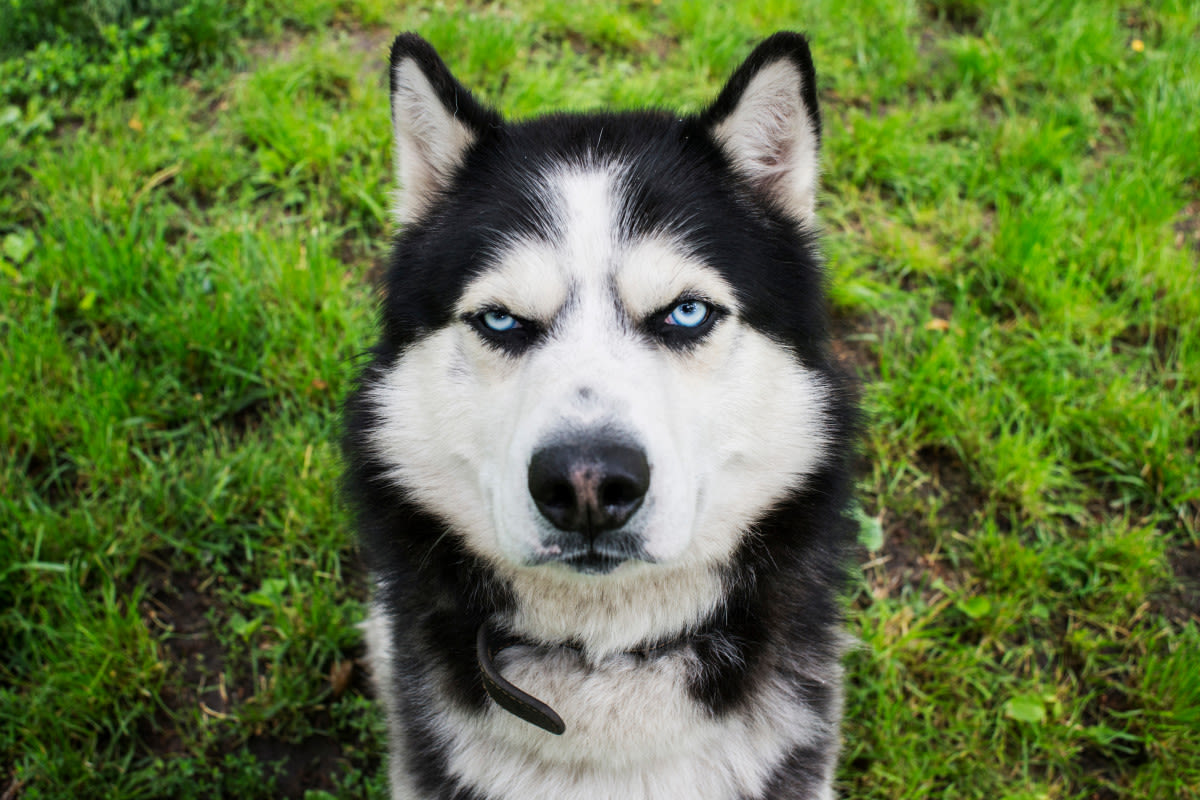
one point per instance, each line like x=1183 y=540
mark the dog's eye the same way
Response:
x=685 y=322
x=689 y=314
x=499 y=321
x=501 y=329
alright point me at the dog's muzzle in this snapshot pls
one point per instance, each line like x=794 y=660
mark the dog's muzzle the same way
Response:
x=588 y=489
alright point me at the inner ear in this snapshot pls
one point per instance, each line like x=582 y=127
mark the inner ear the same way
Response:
x=767 y=121
x=435 y=122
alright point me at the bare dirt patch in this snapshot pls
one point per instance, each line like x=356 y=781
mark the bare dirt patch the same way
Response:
x=1182 y=604
x=307 y=764
x=362 y=40
x=855 y=344
x=1187 y=228
x=184 y=608
x=179 y=607
x=961 y=16
x=945 y=500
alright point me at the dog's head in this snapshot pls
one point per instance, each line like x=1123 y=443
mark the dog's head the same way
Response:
x=604 y=336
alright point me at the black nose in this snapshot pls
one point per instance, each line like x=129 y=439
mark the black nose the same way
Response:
x=588 y=487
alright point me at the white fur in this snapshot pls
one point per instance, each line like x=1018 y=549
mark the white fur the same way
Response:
x=429 y=141
x=633 y=733
x=379 y=663
x=638 y=603
x=528 y=281
x=729 y=427
x=772 y=141
x=655 y=271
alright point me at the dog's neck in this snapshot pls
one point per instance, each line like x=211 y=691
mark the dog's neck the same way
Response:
x=617 y=614
x=488 y=643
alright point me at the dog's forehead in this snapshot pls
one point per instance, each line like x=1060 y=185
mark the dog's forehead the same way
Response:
x=593 y=246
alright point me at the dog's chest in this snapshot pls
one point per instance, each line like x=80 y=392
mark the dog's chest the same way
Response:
x=633 y=731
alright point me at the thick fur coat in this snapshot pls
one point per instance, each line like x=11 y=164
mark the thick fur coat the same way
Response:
x=603 y=422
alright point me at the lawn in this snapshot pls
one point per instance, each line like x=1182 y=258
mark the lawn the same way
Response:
x=192 y=210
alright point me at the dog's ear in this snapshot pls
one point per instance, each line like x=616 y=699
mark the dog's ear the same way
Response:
x=435 y=122
x=767 y=122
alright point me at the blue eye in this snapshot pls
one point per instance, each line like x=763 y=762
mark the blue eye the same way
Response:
x=499 y=321
x=688 y=314
x=504 y=331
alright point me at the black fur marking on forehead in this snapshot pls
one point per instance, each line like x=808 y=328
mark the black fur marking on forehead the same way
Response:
x=671 y=178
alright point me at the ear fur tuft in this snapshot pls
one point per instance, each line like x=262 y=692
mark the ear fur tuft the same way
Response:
x=435 y=123
x=767 y=122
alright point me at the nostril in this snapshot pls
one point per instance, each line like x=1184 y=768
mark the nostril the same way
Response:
x=558 y=494
x=619 y=492
x=626 y=480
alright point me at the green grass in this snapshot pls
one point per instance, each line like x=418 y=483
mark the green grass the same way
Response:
x=190 y=208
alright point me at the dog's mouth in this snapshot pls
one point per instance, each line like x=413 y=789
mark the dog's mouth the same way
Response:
x=592 y=562
x=600 y=556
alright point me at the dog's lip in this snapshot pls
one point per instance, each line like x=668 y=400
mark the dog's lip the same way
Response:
x=593 y=563
x=590 y=559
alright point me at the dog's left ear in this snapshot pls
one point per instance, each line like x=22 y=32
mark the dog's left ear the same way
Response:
x=767 y=122
x=435 y=121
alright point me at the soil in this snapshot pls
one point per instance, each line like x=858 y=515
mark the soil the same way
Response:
x=1182 y=604
x=184 y=608
x=910 y=557
x=307 y=764
x=854 y=345
x=179 y=607
x=1187 y=228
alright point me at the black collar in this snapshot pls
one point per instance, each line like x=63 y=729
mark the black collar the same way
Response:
x=522 y=704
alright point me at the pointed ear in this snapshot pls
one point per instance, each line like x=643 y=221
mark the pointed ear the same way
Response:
x=435 y=122
x=766 y=120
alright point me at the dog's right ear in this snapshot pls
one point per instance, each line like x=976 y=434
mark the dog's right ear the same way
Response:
x=435 y=122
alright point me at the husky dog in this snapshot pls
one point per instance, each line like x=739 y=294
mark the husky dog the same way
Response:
x=599 y=457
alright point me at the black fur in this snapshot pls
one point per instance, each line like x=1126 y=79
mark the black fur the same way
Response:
x=783 y=607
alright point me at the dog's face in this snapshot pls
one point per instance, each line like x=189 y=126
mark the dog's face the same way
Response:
x=602 y=332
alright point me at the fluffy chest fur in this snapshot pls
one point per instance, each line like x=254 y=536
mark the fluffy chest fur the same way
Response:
x=635 y=730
